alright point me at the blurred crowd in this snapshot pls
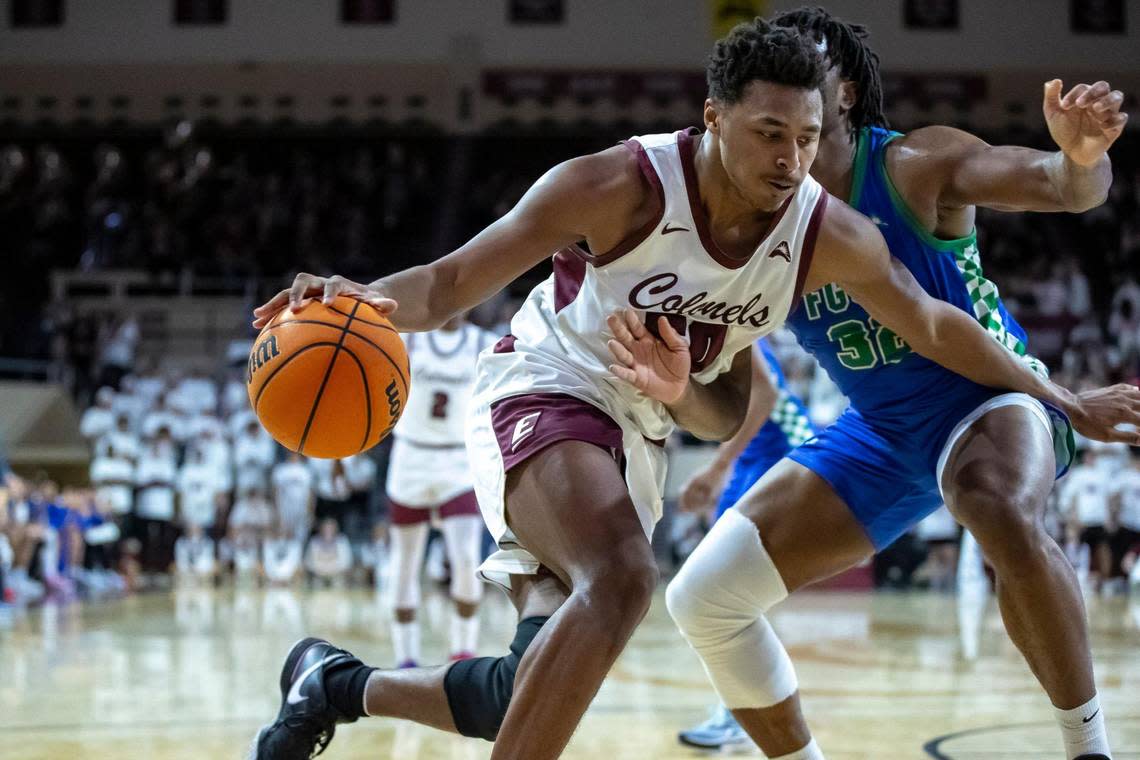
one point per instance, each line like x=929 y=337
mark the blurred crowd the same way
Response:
x=184 y=480
x=238 y=207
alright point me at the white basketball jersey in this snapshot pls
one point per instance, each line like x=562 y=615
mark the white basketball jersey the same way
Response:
x=671 y=267
x=443 y=367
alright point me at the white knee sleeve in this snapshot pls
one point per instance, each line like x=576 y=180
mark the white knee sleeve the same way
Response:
x=405 y=558
x=718 y=600
x=463 y=536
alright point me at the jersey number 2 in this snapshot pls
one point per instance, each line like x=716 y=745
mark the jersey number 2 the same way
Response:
x=439 y=405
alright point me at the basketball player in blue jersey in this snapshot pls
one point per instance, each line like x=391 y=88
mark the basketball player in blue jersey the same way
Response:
x=711 y=235
x=776 y=423
x=915 y=432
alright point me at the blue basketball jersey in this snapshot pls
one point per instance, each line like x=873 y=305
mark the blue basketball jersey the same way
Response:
x=884 y=380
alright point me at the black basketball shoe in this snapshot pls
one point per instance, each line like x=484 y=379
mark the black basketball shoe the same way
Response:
x=306 y=721
x=1093 y=757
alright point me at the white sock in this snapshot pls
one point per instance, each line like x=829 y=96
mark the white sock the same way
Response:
x=464 y=633
x=1083 y=731
x=810 y=752
x=406 y=641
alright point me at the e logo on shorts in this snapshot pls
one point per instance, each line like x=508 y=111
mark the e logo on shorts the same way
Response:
x=523 y=428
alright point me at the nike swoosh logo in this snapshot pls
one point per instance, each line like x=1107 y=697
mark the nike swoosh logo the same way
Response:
x=294 y=696
x=1086 y=720
x=667 y=229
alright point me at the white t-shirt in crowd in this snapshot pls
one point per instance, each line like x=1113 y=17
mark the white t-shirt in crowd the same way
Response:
x=1087 y=494
x=235 y=396
x=156 y=476
x=196 y=395
x=164 y=418
x=113 y=479
x=120 y=349
x=216 y=452
x=1127 y=489
x=360 y=469
x=123 y=444
x=197 y=491
x=199 y=422
x=95 y=422
x=328 y=559
x=292 y=490
x=149 y=387
x=281 y=558
x=254 y=513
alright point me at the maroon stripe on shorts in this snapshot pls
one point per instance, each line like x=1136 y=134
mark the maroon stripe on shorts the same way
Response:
x=525 y=425
x=463 y=504
x=401 y=514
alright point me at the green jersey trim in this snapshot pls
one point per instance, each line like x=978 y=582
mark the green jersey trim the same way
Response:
x=859 y=174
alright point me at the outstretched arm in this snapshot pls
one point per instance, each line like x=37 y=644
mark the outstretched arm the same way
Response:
x=587 y=198
x=851 y=252
x=1076 y=177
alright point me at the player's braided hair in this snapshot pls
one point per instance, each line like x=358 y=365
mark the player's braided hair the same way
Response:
x=759 y=50
x=846 y=48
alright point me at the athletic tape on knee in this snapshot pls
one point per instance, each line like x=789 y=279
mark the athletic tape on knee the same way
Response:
x=718 y=600
x=479 y=690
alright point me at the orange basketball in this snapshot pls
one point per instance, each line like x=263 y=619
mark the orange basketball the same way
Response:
x=330 y=380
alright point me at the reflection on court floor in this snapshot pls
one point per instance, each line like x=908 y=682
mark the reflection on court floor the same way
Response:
x=191 y=674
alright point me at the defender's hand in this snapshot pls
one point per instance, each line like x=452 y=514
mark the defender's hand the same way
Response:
x=306 y=286
x=1086 y=121
x=658 y=367
x=1096 y=413
x=703 y=489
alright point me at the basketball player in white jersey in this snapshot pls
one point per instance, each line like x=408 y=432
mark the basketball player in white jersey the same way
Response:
x=695 y=245
x=429 y=477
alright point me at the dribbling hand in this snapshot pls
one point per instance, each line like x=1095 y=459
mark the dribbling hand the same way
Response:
x=658 y=367
x=308 y=286
x=1086 y=121
x=1097 y=413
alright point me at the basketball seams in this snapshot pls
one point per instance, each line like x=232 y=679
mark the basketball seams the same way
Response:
x=345 y=329
x=367 y=397
x=362 y=320
x=283 y=364
x=325 y=380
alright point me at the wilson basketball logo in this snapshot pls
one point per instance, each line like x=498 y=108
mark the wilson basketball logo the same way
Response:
x=394 y=401
x=265 y=351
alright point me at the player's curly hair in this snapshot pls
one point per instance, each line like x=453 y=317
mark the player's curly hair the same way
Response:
x=759 y=50
x=846 y=48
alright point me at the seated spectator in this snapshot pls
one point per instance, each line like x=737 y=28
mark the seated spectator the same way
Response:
x=281 y=555
x=25 y=534
x=252 y=514
x=254 y=452
x=332 y=487
x=149 y=382
x=241 y=551
x=194 y=556
x=112 y=476
x=196 y=393
x=122 y=440
x=99 y=419
x=293 y=495
x=217 y=453
x=197 y=491
x=164 y=415
x=328 y=557
x=1084 y=502
x=156 y=477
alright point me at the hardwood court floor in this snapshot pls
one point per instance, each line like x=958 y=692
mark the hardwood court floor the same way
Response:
x=192 y=674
